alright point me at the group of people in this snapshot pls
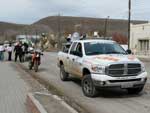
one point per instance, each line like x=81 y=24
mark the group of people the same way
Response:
x=4 y=49
x=19 y=49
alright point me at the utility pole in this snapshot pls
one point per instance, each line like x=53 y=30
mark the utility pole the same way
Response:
x=105 y=30
x=59 y=30
x=129 y=22
x=83 y=27
x=36 y=38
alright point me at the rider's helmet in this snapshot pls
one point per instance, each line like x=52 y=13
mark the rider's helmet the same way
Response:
x=37 y=51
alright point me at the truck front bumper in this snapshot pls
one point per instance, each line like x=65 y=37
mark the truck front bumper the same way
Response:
x=122 y=82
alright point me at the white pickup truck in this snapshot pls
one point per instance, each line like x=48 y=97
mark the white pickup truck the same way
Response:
x=101 y=64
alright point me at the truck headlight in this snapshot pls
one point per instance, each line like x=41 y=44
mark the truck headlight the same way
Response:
x=98 y=69
x=143 y=68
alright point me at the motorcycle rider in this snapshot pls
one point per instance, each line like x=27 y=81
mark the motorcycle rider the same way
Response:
x=36 y=54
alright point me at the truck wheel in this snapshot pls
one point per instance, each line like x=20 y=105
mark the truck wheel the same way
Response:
x=63 y=74
x=135 y=90
x=88 y=87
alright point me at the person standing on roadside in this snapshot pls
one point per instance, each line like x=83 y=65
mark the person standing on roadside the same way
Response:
x=24 y=51
x=9 y=50
x=18 y=52
x=26 y=47
x=2 y=49
x=83 y=37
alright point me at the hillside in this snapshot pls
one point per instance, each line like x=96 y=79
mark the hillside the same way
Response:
x=65 y=25
x=4 y=27
x=85 y=25
x=8 y=30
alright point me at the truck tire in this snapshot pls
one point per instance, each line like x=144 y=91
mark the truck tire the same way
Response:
x=63 y=75
x=135 y=90
x=88 y=87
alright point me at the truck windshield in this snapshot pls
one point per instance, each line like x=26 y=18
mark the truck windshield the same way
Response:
x=96 y=48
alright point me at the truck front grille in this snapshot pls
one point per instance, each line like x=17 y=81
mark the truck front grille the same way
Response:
x=130 y=80
x=122 y=70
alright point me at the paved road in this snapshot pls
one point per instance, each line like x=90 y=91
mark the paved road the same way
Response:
x=109 y=101
x=13 y=90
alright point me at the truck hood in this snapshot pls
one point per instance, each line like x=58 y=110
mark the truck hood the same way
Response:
x=111 y=59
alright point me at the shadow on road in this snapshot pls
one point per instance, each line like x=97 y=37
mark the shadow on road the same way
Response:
x=42 y=69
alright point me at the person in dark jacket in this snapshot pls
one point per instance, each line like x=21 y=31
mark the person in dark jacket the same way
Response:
x=83 y=37
x=26 y=47
x=18 y=52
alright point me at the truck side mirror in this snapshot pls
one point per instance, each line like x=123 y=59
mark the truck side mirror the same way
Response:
x=77 y=53
x=129 y=51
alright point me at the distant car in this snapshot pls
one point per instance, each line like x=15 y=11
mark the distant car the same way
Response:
x=6 y=44
x=30 y=49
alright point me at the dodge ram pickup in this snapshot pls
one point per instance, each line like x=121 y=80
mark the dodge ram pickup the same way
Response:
x=101 y=64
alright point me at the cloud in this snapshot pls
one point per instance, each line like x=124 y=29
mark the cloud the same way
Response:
x=29 y=11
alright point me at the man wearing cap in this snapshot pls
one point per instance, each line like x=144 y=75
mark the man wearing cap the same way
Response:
x=18 y=52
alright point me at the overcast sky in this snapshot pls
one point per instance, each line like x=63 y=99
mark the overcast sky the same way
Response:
x=29 y=11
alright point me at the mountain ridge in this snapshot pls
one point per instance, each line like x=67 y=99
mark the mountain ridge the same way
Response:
x=66 y=25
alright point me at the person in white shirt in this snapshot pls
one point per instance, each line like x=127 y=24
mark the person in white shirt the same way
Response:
x=2 y=49
x=9 y=50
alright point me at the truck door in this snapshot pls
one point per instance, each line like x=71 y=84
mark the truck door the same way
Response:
x=69 y=57
x=76 y=60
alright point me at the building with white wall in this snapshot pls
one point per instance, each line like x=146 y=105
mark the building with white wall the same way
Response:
x=140 y=39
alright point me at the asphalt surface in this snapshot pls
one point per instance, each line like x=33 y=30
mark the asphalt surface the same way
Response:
x=108 y=101
x=13 y=90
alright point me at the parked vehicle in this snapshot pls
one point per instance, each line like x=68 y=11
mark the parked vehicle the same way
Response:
x=102 y=64
x=35 y=60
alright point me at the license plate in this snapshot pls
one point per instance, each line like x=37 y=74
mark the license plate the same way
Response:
x=127 y=85
x=126 y=78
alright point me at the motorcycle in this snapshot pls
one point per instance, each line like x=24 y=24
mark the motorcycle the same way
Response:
x=35 y=61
